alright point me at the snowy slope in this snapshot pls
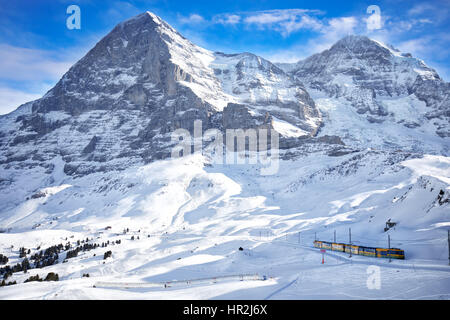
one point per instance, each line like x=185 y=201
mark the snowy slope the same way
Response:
x=192 y=218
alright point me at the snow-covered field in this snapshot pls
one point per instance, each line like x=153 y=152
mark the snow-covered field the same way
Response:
x=189 y=218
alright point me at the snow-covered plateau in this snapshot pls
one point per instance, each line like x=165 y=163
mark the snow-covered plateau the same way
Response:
x=90 y=193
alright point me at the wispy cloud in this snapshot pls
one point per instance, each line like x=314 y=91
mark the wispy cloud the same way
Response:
x=119 y=11
x=191 y=19
x=18 y=63
x=285 y=21
x=230 y=19
x=338 y=28
x=26 y=74
x=421 y=9
x=330 y=32
x=10 y=99
x=275 y=16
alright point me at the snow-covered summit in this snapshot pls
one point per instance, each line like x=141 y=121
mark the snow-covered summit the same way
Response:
x=361 y=83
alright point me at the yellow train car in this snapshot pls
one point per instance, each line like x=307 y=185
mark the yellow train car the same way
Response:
x=397 y=253
x=326 y=245
x=351 y=248
x=382 y=253
x=317 y=244
x=338 y=247
x=368 y=251
x=393 y=253
x=390 y=253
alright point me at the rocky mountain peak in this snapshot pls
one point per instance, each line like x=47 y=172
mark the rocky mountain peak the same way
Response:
x=382 y=85
x=120 y=103
x=359 y=44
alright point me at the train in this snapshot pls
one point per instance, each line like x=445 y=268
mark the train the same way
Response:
x=393 y=253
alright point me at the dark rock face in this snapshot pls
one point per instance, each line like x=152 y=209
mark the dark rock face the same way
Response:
x=435 y=93
x=238 y=116
x=91 y=146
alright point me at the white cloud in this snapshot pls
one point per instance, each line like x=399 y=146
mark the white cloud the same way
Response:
x=10 y=99
x=119 y=11
x=34 y=69
x=341 y=26
x=192 y=19
x=333 y=31
x=434 y=13
x=428 y=46
x=275 y=16
x=420 y=9
x=330 y=32
x=337 y=28
x=285 y=21
x=32 y=64
x=227 y=19
x=415 y=46
x=305 y=22
x=409 y=24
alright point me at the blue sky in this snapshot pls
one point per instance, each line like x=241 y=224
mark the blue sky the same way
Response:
x=37 y=48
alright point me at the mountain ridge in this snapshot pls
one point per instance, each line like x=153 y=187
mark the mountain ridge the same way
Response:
x=144 y=80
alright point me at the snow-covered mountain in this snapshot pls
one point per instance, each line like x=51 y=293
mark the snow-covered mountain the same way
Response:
x=375 y=95
x=364 y=138
x=119 y=104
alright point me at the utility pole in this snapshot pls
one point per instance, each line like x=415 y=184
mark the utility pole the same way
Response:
x=350 y=240
x=389 y=246
x=299 y=238
x=448 y=247
x=315 y=236
x=334 y=236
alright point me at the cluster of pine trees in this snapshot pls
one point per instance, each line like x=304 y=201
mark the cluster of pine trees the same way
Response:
x=8 y=271
x=85 y=247
x=51 y=276
x=3 y=259
x=3 y=283
x=23 y=252
x=47 y=257
x=43 y=258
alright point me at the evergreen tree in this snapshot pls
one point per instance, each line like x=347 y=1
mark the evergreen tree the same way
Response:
x=107 y=255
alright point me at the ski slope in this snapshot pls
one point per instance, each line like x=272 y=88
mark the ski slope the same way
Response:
x=192 y=216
